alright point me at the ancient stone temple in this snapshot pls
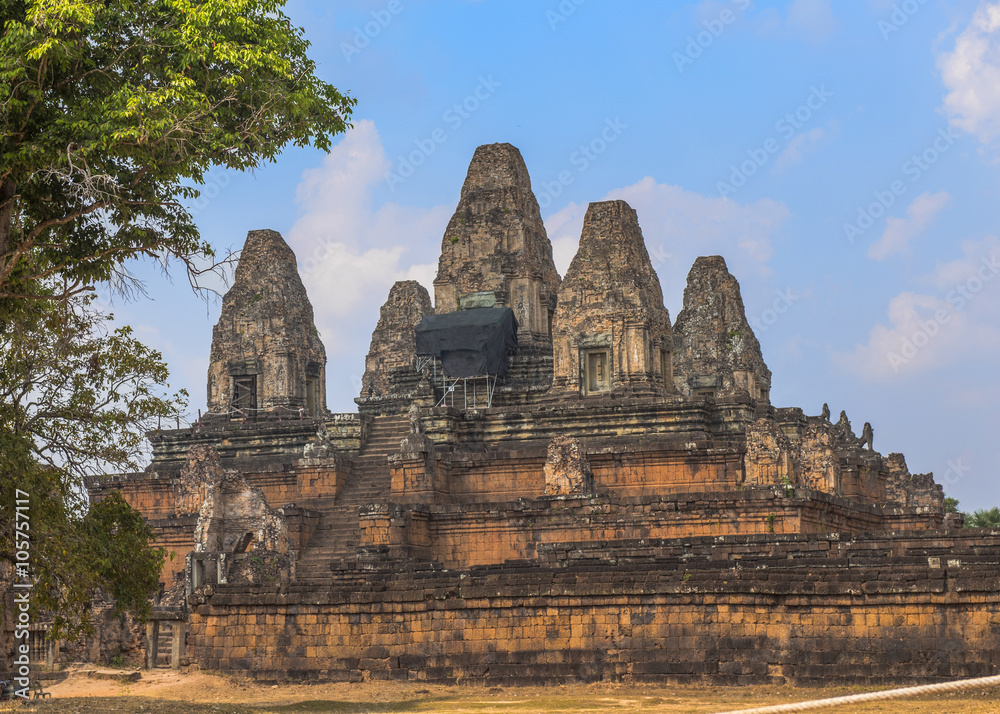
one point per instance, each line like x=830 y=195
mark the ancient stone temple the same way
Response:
x=717 y=353
x=495 y=253
x=390 y=381
x=627 y=505
x=266 y=352
x=611 y=332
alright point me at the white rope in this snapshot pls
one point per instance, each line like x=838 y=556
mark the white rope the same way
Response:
x=978 y=683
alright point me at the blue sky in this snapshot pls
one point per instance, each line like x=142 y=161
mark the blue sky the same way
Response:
x=844 y=158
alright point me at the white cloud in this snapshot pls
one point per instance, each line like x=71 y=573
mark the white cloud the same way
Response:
x=899 y=232
x=971 y=73
x=679 y=226
x=350 y=252
x=955 y=326
x=977 y=256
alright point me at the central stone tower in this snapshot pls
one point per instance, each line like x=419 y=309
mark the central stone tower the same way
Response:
x=495 y=253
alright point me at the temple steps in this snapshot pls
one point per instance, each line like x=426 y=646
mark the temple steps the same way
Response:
x=338 y=535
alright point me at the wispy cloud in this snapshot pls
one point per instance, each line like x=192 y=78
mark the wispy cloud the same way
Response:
x=350 y=252
x=900 y=232
x=971 y=73
x=812 y=19
x=954 y=324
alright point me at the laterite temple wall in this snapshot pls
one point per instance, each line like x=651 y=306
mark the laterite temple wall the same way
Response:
x=459 y=536
x=736 y=610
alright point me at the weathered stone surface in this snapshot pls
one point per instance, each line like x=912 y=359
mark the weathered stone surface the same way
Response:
x=818 y=459
x=716 y=352
x=266 y=335
x=234 y=516
x=898 y=480
x=495 y=251
x=201 y=470
x=390 y=378
x=260 y=568
x=567 y=471
x=611 y=302
x=911 y=490
x=771 y=456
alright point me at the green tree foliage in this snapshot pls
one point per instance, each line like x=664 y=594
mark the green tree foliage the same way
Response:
x=80 y=397
x=984 y=518
x=950 y=505
x=77 y=555
x=113 y=112
x=74 y=400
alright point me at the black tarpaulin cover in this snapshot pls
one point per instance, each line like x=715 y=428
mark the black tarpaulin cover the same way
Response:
x=470 y=343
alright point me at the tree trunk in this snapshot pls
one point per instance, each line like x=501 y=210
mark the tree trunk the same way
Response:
x=7 y=190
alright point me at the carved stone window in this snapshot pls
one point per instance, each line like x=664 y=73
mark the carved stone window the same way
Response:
x=245 y=394
x=311 y=397
x=667 y=368
x=596 y=371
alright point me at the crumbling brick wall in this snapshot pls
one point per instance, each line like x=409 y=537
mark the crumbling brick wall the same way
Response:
x=234 y=516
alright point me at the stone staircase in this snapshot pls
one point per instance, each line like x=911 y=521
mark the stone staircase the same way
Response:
x=337 y=535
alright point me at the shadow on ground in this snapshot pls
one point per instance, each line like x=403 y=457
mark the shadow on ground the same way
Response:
x=139 y=705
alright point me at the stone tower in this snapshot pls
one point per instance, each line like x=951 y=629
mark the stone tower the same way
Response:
x=495 y=252
x=715 y=351
x=266 y=352
x=612 y=331
x=390 y=379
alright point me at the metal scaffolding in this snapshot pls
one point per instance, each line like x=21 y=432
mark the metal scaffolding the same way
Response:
x=476 y=392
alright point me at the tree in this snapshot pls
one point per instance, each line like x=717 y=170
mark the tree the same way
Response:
x=76 y=556
x=114 y=111
x=80 y=397
x=75 y=399
x=950 y=505
x=984 y=518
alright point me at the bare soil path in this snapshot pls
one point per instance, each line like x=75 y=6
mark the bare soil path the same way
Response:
x=168 y=692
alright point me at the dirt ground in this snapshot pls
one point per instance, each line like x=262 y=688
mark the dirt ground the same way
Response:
x=168 y=692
